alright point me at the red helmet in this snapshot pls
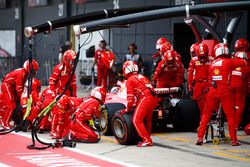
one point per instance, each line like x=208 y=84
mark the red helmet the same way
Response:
x=108 y=58
x=193 y=49
x=241 y=45
x=36 y=85
x=35 y=66
x=68 y=58
x=129 y=67
x=99 y=93
x=169 y=57
x=64 y=103
x=247 y=129
x=201 y=51
x=221 y=49
x=159 y=42
x=165 y=46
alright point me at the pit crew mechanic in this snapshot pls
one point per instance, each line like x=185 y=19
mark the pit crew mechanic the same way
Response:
x=139 y=87
x=12 y=88
x=219 y=92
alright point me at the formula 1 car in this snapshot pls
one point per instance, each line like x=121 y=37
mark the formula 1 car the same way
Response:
x=182 y=114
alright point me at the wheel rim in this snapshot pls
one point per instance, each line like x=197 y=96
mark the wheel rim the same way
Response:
x=119 y=128
x=103 y=120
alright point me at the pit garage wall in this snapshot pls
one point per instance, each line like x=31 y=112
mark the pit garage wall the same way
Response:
x=47 y=47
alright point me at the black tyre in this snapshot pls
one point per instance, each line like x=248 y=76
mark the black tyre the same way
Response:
x=186 y=116
x=106 y=117
x=124 y=130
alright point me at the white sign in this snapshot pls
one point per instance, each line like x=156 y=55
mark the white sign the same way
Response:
x=16 y=13
x=183 y=2
x=60 y=10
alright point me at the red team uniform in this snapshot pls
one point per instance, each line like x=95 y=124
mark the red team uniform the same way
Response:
x=12 y=89
x=66 y=107
x=198 y=75
x=219 y=92
x=82 y=119
x=139 y=88
x=105 y=60
x=169 y=72
x=58 y=80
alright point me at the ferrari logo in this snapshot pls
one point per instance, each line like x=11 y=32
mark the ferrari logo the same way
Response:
x=216 y=71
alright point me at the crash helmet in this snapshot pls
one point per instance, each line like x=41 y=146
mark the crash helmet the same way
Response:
x=201 y=51
x=241 y=45
x=169 y=57
x=36 y=85
x=242 y=55
x=165 y=46
x=159 y=42
x=99 y=93
x=129 y=67
x=63 y=104
x=192 y=49
x=221 y=49
x=247 y=129
x=68 y=58
x=34 y=66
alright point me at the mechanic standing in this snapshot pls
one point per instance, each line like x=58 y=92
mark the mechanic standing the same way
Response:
x=102 y=70
x=61 y=74
x=219 y=91
x=158 y=55
x=239 y=79
x=12 y=88
x=199 y=67
x=133 y=55
x=169 y=72
x=82 y=126
x=139 y=88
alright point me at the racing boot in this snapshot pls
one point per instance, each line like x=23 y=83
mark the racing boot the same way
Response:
x=199 y=142
x=235 y=143
x=145 y=144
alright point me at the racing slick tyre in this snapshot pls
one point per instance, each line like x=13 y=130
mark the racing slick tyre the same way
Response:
x=124 y=130
x=106 y=117
x=186 y=116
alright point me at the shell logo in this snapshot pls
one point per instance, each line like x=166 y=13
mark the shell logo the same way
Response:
x=216 y=71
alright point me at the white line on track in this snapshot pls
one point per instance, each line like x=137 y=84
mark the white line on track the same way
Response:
x=83 y=152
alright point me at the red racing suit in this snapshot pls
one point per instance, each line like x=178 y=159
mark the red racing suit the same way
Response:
x=166 y=76
x=64 y=117
x=238 y=85
x=2 y=109
x=12 y=88
x=36 y=87
x=60 y=77
x=139 y=87
x=198 y=80
x=102 y=70
x=46 y=97
x=79 y=125
x=219 y=92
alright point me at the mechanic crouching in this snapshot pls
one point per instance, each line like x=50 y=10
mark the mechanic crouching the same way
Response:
x=82 y=126
x=139 y=87
x=219 y=91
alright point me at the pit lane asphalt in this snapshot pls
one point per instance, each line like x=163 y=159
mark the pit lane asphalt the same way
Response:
x=171 y=148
